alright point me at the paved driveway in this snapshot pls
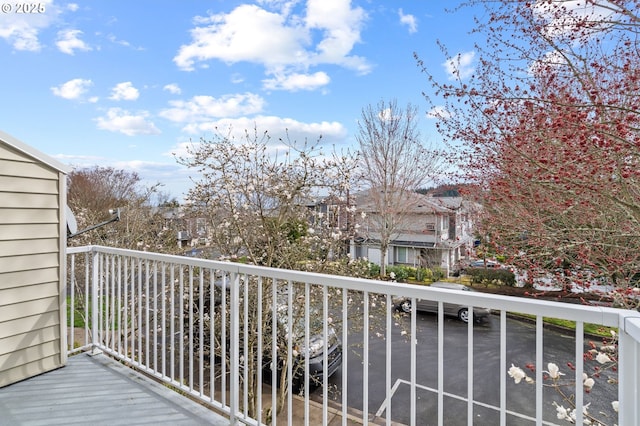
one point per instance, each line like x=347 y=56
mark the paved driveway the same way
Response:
x=558 y=348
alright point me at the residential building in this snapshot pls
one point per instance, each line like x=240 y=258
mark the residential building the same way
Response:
x=32 y=259
x=427 y=231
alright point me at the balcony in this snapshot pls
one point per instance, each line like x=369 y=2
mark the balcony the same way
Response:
x=201 y=327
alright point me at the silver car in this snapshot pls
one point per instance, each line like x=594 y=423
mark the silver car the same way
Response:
x=451 y=309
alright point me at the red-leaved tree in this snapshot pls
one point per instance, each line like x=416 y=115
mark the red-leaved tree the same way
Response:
x=547 y=128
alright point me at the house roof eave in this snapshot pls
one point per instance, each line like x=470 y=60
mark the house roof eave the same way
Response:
x=33 y=153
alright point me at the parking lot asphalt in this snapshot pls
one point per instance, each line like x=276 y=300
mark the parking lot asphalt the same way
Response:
x=521 y=350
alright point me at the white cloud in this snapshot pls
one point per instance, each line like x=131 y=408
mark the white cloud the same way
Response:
x=203 y=108
x=289 y=48
x=72 y=89
x=239 y=36
x=73 y=7
x=150 y=168
x=461 y=66
x=113 y=39
x=69 y=41
x=567 y=18
x=438 y=112
x=408 y=20
x=549 y=61
x=124 y=92
x=237 y=78
x=22 y=30
x=295 y=82
x=278 y=127
x=119 y=120
x=172 y=88
x=175 y=178
x=341 y=27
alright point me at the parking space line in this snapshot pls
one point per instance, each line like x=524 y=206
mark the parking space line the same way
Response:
x=383 y=406
x=399 y=382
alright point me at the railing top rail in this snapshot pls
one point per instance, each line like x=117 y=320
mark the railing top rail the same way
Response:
x=606 y=316
x=632 y=327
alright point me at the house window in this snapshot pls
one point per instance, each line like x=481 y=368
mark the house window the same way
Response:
x=401 y=254
x=430 y=226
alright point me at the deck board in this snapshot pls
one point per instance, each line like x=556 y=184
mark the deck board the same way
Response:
x=98 y=391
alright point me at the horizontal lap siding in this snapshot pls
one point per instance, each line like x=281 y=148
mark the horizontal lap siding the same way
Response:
x=30 y=267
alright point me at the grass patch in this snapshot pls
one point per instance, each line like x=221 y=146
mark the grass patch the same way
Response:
x=591 y=329
x=79 y=315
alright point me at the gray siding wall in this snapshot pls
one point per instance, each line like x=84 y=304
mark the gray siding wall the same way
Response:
x=32 y=340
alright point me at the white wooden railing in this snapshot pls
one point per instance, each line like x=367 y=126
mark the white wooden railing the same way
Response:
x=182 y=320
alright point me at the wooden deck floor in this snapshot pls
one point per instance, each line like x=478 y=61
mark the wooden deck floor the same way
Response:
x=98 y=391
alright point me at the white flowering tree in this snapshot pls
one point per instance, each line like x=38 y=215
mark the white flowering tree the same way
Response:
x=600 y=361
x=261 y=199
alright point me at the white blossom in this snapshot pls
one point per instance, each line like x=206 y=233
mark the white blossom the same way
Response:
x=554 y=371
x=588 y=383
x=572 y=415
x=516 y=373
x=561 y=412
x=603 y=358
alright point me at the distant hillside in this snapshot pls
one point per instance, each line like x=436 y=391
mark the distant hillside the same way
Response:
x=442 y=191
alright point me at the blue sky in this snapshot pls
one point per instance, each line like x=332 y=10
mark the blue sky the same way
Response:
x=128 y=83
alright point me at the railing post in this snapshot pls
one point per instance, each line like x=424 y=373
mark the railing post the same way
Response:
x=234 y=316
x=629 y=377
x=94 y=286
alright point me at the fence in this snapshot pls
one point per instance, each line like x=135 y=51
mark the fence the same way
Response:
x=265 y=345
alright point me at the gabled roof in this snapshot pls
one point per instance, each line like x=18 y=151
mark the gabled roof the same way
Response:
x=415 y=203
x=33 y=153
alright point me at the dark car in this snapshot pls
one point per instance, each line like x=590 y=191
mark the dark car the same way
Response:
x=315 y=353
x=451 y=309
x=316 y=349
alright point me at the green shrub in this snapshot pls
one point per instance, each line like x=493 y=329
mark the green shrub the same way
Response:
x=412 y=272
x=437 y=273
x=488 y=276
x=359 y=268
x=401 y=272
x=424 y=274
x=374 y=270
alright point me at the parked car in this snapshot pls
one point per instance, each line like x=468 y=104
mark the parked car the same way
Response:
x=480 y=263
x=451 y=309
x=315 y=353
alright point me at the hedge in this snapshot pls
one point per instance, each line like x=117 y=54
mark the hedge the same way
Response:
x=488 y=276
